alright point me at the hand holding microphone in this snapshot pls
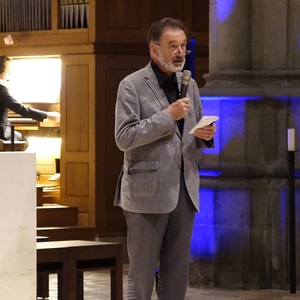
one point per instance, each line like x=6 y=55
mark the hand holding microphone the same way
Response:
x=180 y=108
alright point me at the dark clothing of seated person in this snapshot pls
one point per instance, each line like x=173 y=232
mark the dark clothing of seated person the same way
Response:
x=8 y=102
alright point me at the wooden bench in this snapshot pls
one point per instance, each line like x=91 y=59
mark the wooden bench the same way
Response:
x=69 y=260
x=56 y=216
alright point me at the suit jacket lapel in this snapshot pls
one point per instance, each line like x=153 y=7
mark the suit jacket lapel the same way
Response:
x=154 y=86
x=157 y=91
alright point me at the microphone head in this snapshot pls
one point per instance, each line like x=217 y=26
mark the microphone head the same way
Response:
x=186 y=76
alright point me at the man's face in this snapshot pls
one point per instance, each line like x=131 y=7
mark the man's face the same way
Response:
x=169 y=53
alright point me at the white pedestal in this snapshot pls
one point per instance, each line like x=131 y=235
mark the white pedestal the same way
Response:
x=17 y=225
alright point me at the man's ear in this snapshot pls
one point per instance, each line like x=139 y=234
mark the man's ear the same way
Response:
x=153 y=49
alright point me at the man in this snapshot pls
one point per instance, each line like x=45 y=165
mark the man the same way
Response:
x=159 y=183
x=8 y=102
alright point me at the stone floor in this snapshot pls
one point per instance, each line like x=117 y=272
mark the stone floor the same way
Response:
x=97 y=287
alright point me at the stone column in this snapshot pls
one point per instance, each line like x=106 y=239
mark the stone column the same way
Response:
x=253 y=85
x=229 y=44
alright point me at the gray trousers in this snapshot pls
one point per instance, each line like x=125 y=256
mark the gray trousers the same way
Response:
x=160 y=242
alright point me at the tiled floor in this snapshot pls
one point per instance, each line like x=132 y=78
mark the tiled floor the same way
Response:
x=97 y=287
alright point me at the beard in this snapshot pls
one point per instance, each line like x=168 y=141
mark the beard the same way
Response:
x=169 y=66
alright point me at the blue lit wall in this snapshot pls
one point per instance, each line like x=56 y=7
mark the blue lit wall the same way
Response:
x=225 y=8
x=240 y=236
x=243 y=193
x=202 y=246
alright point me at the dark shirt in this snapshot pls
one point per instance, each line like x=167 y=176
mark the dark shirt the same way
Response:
x=170 y=88
x=8 y=102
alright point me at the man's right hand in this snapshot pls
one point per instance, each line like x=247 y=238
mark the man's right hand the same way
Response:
x=179 y=109
x=53 y=116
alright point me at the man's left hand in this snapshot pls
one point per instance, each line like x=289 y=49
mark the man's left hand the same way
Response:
x=206 y=133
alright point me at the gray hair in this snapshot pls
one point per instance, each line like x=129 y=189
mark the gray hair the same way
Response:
x=156 y=29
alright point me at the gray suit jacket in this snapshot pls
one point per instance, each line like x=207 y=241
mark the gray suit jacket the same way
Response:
x=153 y=146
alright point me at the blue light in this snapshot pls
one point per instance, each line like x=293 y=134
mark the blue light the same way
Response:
x=224 y=9
x=210 y=173
x=202 y=244
x=222 y=98
x=192 y=45
x=285 y=98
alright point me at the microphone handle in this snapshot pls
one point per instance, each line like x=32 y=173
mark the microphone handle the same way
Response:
x=183 y=90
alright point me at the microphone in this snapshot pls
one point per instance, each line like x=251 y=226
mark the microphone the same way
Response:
x=186 y=76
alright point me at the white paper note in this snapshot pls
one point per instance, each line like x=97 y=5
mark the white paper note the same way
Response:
x=206 y=120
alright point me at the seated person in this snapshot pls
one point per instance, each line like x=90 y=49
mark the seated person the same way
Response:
x=8 y=102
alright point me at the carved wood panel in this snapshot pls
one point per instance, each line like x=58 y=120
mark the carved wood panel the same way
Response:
x=77 y=132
